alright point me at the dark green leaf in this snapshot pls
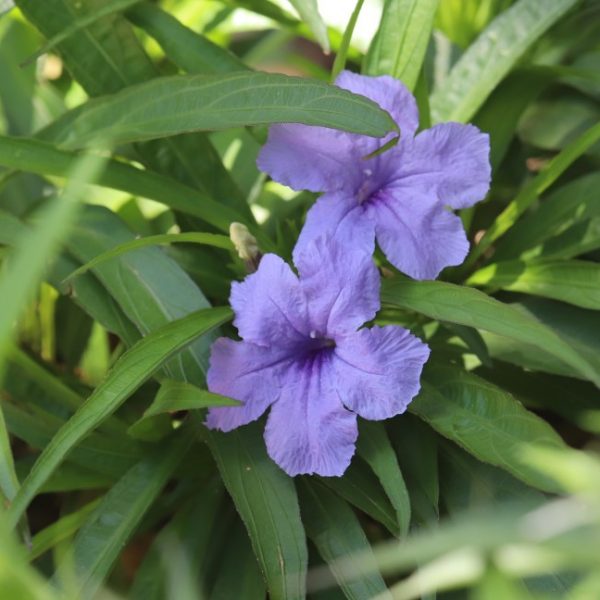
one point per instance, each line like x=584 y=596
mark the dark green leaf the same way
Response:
x=101 y=539
x=466 y=306
x=130 y=371
x=266 y=500
x=337 y=534
x=375 y=448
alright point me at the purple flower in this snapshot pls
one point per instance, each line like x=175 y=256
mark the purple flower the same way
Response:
x=401 y=196
x=304 y=356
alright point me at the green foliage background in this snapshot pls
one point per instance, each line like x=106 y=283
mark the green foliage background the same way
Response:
x=129 y=132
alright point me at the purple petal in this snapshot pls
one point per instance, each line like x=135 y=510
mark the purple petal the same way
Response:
x=318 y=159
x=390 y=93
x=450 y=162
x=336 y=215
x=308 y=430
x=269 y=305
x=378 y=370
x=341 y=285
x=245 y=372
x=417 y=234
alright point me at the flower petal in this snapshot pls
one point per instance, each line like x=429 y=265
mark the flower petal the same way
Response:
x=341 y=285
x=378 y=370
x=336 y=215
x=308 y=430
x=417 y=234
x=449 y=161
x=245 y=372
x=269 y=305
x=390 y=93
x=318 y=159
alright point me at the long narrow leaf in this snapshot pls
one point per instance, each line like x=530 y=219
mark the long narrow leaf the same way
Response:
x=132 y=369
x=399 y=46
x=169 y=106
x=466 y=306
x=574 y=281
x=492 y=55
x=209 y=239
x=530 y=192
x=101 y=539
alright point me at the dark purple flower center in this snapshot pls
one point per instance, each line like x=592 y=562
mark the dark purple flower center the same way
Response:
x=317 y=345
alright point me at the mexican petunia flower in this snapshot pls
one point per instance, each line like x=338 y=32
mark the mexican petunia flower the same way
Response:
x=304 y=355
x=399 y=197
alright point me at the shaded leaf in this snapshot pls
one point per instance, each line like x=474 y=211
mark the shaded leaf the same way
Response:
x=486 y=421
x=466 y=306
x=266 y=500
x=337 y=534
x=130 y=371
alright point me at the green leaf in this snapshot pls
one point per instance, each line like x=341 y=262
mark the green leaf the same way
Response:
x=340 y=58
x=174 y=396
x=105 y=57
x=375 y=448
x=487 y=61
x=9 y=482
x=238 y=574
x=192 y=527
x=531 y=190
x=209 y=239
x=130 y=371
x=148 y=273
x=486 y=421
x=11 y=229
x=189 y=50
x=568 y=205
x=108 y=8
x=416 y=447
x=180 y=395
x=335 y=531
x=399 y=46
x=266 y=500
x=575 y=326
x=169 y=106
x=61 y=530
x=104 y=456
x=457 y=304
x=38 y=245
x=574 y=281
x=581 y=238
x=500 y=115
x=17 y=578
x=360 y=487
x=101 y=539
x=39 y=157
x=89 y=294
x=309 y=14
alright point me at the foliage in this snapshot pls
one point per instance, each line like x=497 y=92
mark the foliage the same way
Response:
x=129 y=132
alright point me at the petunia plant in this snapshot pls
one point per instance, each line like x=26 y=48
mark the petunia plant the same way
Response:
x=299 y=299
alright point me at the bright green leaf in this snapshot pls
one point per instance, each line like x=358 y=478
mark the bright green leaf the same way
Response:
x=491 y=56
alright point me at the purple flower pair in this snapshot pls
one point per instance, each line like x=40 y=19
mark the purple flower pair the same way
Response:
x=304 y=353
